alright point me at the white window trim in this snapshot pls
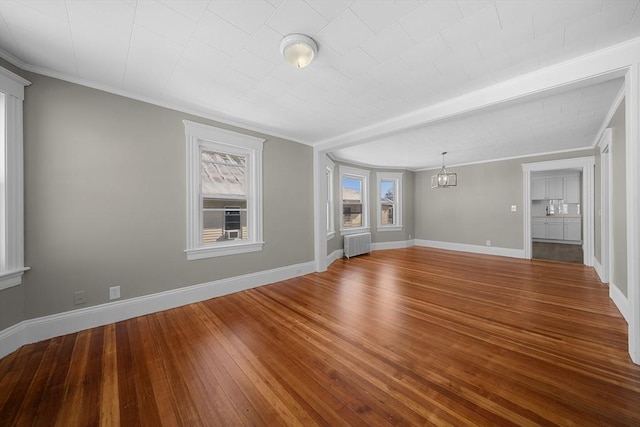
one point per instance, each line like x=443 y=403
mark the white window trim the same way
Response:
x=330 y=197
x=397 y=212
x=12 y=253
x=364 y=175
x=199 y=137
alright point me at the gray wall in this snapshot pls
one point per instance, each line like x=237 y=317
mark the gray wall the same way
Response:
x=376 y=236
x=618 y=200
x=105 y=202
x=479 y=208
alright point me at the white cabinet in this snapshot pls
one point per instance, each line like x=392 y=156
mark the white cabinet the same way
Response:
x=565 y=188
x=572 y=189
x=538 y=189
x=555 y=188
x=572 y=229
x=547 y=188
x=554 y=228
x=539 y=228
x=547 y=228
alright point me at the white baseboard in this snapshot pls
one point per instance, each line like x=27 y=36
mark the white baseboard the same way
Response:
x=400 y=244
x=335 y=255
x=620 y=301
x=339 y=253
x=463 y=247
x=598 y=268
x=42 y=328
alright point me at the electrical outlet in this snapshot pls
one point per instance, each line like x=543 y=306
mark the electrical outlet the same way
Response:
x=514 y=208
x=488 y=242
x=114 y=292
x=79 y=297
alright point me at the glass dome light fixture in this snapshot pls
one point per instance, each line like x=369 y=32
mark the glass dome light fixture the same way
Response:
x=444 y=179
x=298 y=50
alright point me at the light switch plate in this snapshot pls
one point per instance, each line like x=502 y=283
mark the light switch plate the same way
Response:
x=514 y=208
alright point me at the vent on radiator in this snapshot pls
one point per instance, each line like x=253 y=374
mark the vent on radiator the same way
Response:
x=357 y=244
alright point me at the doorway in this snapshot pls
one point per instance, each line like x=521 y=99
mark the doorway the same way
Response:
x=585 y=165
x=556 y=215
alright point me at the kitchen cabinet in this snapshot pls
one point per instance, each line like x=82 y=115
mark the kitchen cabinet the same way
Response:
x=556 y=228
x=538 y=189
x=539 y=228
x=572 y=189
x=547 y=188
x=547 y=228
x=572 y=229
x=555 y=188
x=565 y=188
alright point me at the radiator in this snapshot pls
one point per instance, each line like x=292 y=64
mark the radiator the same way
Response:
x=357 y=244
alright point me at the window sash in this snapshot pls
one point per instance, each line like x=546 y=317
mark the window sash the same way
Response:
x=12 y=191
x=354 y=212
x=389 y=215
x=330 y=221
x=248 y=239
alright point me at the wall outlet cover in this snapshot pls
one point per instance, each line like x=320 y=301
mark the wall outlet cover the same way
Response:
x=79 y=297
x=114 y=292
x=514 y=208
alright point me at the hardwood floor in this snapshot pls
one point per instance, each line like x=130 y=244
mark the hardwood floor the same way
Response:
x=402 y=337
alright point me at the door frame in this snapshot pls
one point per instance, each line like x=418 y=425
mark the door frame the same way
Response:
x=586 y=164
x=606 y=206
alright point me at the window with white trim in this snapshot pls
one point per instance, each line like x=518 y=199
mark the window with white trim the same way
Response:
x=331 y=230
x=389 y=201
x=224 y=187
x=11 y=179
x=354 y=200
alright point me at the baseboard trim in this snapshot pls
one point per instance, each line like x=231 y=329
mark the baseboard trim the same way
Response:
x=42 y=328
x=399 y=244
x=463 y=247
x=621 y=302
x=598 y=268
x=381 y=246
x=335 y=255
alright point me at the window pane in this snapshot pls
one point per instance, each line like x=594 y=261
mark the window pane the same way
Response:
x=222 y=221
x=224 y=200
x=351 y=202
x=387 y=201
x=223 y=175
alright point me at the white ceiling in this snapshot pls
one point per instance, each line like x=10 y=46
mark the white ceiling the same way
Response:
x=377 y=60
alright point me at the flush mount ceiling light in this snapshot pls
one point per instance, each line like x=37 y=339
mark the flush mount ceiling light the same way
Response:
x=298 y=49
x=444 y=179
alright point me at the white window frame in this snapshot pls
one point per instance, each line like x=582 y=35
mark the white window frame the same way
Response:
x=346 y=171
x=397 y=202
x=201 y=137
x=329 y=200
x=12 y=183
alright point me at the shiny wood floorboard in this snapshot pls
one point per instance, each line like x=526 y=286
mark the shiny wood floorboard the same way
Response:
x=411 y=336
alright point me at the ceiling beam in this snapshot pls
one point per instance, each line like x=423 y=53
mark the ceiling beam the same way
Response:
x=595 y=67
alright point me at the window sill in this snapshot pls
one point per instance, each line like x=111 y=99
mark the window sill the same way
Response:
x=223 y=250
x=390 y=228
x=331 y=235
x=13 y=278
x=347 y=231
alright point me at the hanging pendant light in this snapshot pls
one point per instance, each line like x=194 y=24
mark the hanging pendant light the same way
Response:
x=444 y=179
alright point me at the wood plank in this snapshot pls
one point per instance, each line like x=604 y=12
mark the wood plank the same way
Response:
x=411 y=336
